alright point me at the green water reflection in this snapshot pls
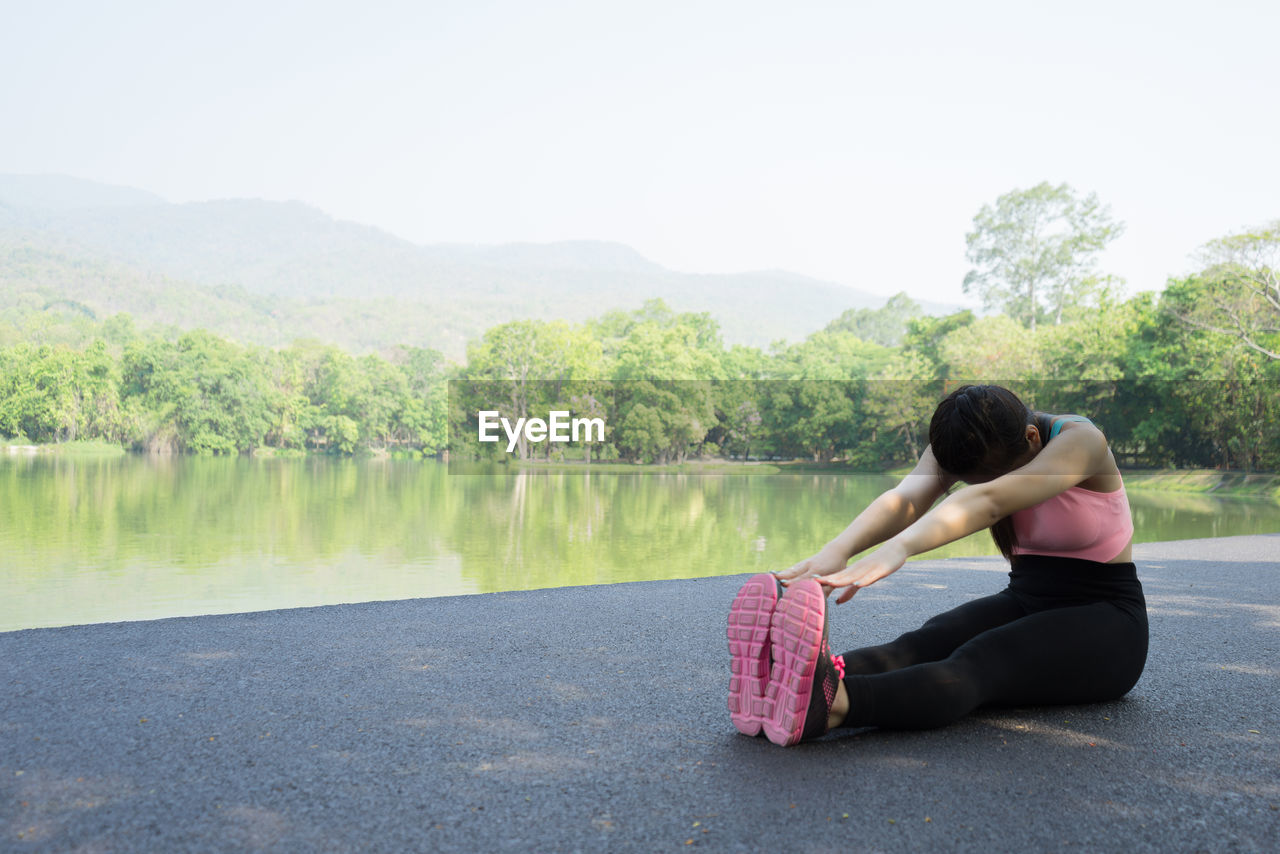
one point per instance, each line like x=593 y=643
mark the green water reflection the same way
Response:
x=86 y=540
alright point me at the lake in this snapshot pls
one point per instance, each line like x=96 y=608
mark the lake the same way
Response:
x=135 y=537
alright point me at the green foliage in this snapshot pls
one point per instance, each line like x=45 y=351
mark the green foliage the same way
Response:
x=205 y=395
x=53 y=393
x=885 y=325
x=1166 y=394
x=991 y=349
x=1034 y=253
x=924 y=335
x=899 y=403
x=1179 y=394
x=1238 y=293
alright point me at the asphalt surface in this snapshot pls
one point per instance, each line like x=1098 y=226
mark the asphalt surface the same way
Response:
x=594 y=718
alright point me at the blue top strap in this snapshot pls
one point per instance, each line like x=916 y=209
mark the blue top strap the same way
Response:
x=1063 y=420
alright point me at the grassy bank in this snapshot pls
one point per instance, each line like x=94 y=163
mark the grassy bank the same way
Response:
x=66 y=449
x=1204 y=481
x=94 y=448
x=1211 y=481
x=691 y=467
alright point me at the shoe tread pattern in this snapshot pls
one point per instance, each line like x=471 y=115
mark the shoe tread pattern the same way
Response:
x=750 y=618
x=796 y=640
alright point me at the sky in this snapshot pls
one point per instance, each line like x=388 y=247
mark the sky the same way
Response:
x=849 y=141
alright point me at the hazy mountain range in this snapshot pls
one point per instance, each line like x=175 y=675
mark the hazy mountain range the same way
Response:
x=270 y=272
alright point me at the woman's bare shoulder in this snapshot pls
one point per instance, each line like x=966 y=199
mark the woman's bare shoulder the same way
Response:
x=1079 y=428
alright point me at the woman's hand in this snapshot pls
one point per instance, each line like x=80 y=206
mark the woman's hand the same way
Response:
x=825 y=562
x=883 y=561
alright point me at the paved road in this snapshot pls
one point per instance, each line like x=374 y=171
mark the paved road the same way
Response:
x=593 y=718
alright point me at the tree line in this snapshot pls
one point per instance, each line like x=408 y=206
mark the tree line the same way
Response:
x=1165 y=393
x=198 y=393
x=1186 y=377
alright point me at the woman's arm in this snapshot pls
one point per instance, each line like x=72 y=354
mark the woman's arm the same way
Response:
x=1071 y=458
x=888 y=515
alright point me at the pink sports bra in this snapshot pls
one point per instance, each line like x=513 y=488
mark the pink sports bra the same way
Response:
x=1079 y=523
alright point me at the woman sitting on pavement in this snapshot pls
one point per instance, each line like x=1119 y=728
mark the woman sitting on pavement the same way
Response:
x=1070 y=627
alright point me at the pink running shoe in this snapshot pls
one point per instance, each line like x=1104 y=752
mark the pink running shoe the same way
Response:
x=805 y=675
x=750 y=616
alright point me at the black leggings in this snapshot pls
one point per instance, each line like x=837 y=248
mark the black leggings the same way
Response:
x=1065 y=630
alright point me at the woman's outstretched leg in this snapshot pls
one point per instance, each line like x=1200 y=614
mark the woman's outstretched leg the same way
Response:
x=751 y=657
x=938 y=638
x=1079 y=654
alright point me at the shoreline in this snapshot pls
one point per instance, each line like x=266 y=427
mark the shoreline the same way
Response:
x=1214 y=482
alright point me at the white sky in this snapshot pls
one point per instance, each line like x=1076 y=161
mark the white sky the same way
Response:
x=850 y=141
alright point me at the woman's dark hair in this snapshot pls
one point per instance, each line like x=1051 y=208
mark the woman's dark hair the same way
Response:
x=981 y=429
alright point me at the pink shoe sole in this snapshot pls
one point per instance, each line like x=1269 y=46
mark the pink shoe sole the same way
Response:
x=750 y=617
x=796 y=640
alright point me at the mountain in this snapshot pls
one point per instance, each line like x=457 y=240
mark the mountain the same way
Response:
x=585 y=255
x=304 y=273
x=60 y=192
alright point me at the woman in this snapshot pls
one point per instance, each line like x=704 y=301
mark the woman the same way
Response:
x=1071 y=627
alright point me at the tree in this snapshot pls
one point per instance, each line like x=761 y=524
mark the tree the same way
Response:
x=1034 y=253
x=37 y=393
x=1083 y=363
x=925 y=335
x=900 y=402
x=991 y=349
x=523 y=368
x=818 y=410
x=1240 y=290
x=425 y=371
x=1226 y=387
x=885 y=325
x=739 y=422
